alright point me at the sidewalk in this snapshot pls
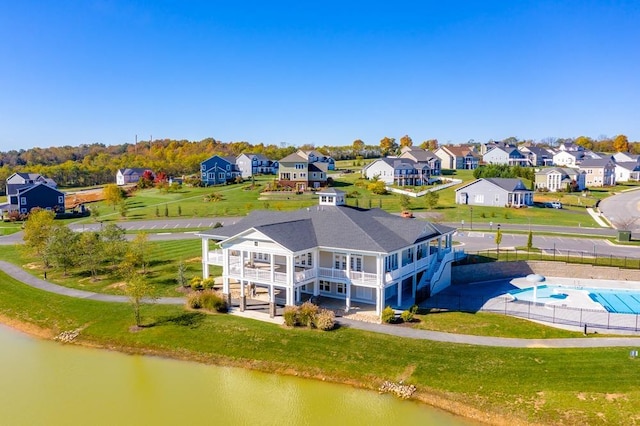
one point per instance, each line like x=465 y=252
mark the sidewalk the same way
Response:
x=405 y=332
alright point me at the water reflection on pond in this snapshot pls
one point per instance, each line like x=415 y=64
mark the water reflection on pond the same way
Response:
x=48 y=383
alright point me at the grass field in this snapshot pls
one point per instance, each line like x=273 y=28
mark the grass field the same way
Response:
x=163 y=258
x=240 y=199
x=533 y=385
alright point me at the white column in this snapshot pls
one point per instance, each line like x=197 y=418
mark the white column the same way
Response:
x=348 y=298
x=242 y=284
x=225 y=271
x=272 y=265
x=348 y=270
x=379 y=300
x=205 y=258
x=290 y=282
x=400 y=292
x=414 y=284
x=241 y=265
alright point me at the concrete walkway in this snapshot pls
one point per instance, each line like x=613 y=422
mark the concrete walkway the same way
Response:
x=406 y=332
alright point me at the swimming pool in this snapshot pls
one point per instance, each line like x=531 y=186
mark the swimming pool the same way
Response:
x=612 y=300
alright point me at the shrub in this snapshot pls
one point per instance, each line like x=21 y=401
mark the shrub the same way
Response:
x=193 y=300
x=325 y=320
x=388 y=315
x=208 y=283
x=407 y=316
x=212 y=301
x=291 y=316
x=217 y=225
x=307 y=313
x=196 y=283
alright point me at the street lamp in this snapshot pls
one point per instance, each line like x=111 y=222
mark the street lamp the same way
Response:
x=471 y=217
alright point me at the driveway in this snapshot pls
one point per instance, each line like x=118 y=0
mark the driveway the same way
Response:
x=623 y=210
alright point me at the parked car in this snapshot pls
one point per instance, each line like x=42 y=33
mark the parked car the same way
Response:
x=554 y=205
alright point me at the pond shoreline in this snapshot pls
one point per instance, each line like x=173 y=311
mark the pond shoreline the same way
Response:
x=433 y=399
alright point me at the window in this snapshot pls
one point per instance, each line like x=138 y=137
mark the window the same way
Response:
x=309 y=259
x=340 y=261
x=356 y=263
x=60 y=199
x=340 y=288
x=203 y=168
x=478 y=198
x=23 y=201
x=391 y=262
x=23 y=210
x=228 y=167
x=295 y=175
x=323 y=199
x=407 y=256
x=325 y=286
x=221 y=175
x=212 y=176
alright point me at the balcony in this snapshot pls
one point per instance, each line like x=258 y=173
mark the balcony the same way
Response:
x=215 y=257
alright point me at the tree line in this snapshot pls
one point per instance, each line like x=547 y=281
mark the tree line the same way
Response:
x=97 y=164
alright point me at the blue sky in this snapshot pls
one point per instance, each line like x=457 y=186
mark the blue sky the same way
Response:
x=75 y=72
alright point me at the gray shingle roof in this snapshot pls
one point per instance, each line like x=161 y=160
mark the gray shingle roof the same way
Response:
x=340 y=227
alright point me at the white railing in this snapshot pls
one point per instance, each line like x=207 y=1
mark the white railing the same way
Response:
x=280 y=277
x=407 y=269
x=358 y=277
x=304 y=275
x=422 y=262
x=332 y=273
x=215 y=257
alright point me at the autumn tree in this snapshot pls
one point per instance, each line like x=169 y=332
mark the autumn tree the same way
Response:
x=621 y=143
x=114 y=244
x=430 y=144
x=388 y=146
x=37 y=231
x=113 y=194
x=62 y=248
x=585 y=142
x=406 y=141
x=91 y=253
x=357 y=146
x=139 y=291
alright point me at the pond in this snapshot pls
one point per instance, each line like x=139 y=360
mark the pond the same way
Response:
x=44 y=382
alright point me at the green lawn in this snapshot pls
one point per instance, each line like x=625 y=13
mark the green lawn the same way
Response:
x=488 y=324
x=533 y=385
x=163 y=258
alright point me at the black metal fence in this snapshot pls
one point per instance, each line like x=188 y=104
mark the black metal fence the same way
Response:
x=551 y=254
x=555 y=314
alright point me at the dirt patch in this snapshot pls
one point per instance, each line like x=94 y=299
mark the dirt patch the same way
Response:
x=120 y=285
x=194 y=260
x=26 y=327
x=614 y=396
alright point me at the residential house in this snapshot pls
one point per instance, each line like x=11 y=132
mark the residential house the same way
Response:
x=510 y=156
x=537 y=156
x=570 y=147
x=219 y=170
x=486 y=147
x=41 y=196
x=295 y=171
x=18 y=181
x=599 y=172
x=555 y=179
x=131 y=175
x=353 y=255
x=625 y=157
x=255 y=164
x=313 y=156
x=458 y=157
x=567 y=158
x=496 y=192
x=627 y=171
x=396 y=171
x=426 y=162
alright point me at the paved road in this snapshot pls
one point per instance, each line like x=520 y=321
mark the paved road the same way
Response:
x=623 y=209
x=21 y=275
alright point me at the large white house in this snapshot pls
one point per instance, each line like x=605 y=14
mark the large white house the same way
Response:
x=332 y=250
